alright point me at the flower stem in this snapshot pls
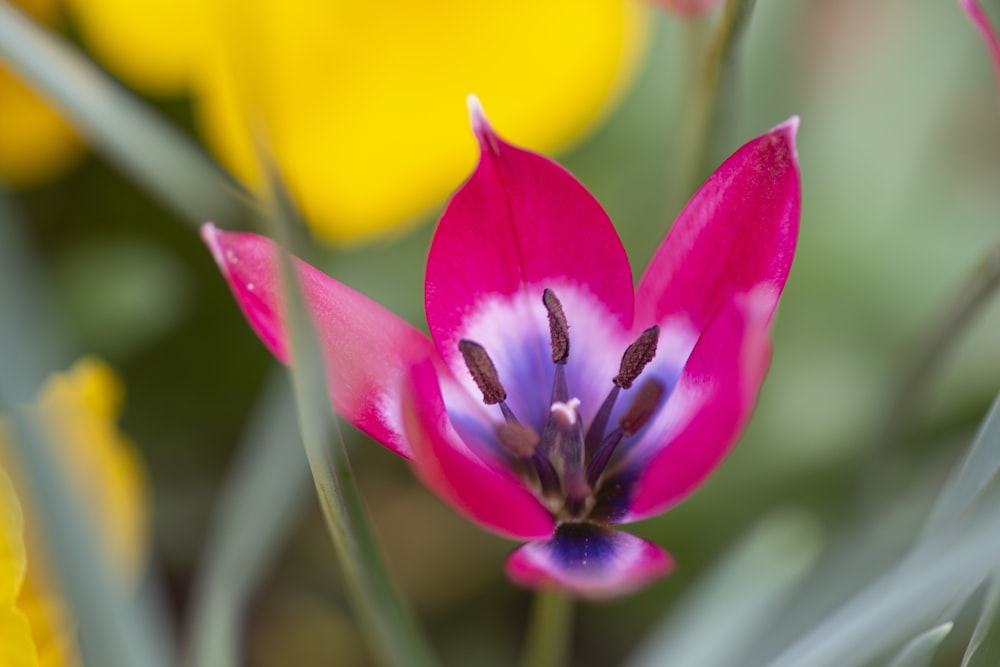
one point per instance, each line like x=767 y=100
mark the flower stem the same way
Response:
x=548 y=640
x=391 y=633
x=974 y=293
x=704 y=117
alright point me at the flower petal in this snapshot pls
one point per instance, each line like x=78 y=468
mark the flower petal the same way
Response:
x=737 y=232
x=481 y=489
x=701 y=420
x=590 y=561
x=36 y=142
x=367 y=347
x=13 y=560
x=17 y=648
x=520 y=222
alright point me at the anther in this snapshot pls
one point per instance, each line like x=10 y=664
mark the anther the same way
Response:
x=558 y=327
x=638 y=354
x=483 y=372
x=643 y=406
x=518 y=439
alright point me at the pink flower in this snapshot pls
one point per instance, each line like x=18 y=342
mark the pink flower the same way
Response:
x=552 y=400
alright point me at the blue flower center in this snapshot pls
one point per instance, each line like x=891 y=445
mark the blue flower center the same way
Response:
x=566 y=462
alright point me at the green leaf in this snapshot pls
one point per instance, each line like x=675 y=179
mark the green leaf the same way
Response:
x=984 y=645
x=129 y=134
x=736 y=599
x=264 y=492
x=392 y=634
x=978 y=468
x=919 y=651
x=944 y=569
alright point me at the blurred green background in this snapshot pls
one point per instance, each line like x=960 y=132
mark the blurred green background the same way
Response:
x=900 y=158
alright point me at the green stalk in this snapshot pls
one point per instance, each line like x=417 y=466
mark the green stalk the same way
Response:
x=549 y=632
x=710 y=100
x=970 y=298
x=390 y=630
x=941 y=337
x=265 y=492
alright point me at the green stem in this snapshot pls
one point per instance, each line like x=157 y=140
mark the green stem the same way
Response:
x=974 y=293
x=548 y=640
x=709 y=99
x=390 y=631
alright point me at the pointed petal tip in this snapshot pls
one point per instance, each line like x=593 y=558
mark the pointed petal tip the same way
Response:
x=788 y=131
x=481 y=125
x=211 y=235
x=790 y=127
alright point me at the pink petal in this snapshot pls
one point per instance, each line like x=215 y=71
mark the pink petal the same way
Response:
x=481 y=489
x=518 y=224
x=707 y=411
x=689 y=8
x=590 y=561
x=367 y=347
x=985 y=28
x=737 y=232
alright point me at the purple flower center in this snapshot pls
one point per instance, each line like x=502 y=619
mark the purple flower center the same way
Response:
x=566 y=463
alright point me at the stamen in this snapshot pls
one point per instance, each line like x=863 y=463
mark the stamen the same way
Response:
x=558 y=327
x=646 y=399
x=483 y=372
x=600 y=423
x=518 y=439
x=602 y=456
x=637 y=415
x=547 y=475
x=508 y=414
x=638 y=354
x=560 y=392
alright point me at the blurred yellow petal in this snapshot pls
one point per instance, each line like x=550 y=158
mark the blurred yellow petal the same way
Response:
x=17 y=648
x=52 y=630
x=13 y=562
x=152 y=45
x=364 y=103
x=36 y=144
x=80 y=410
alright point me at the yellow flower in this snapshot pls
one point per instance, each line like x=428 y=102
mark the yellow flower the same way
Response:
x=79 y=410
x=36 y=144
x=363 y=104
x=154 y=46
x=17 y=648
